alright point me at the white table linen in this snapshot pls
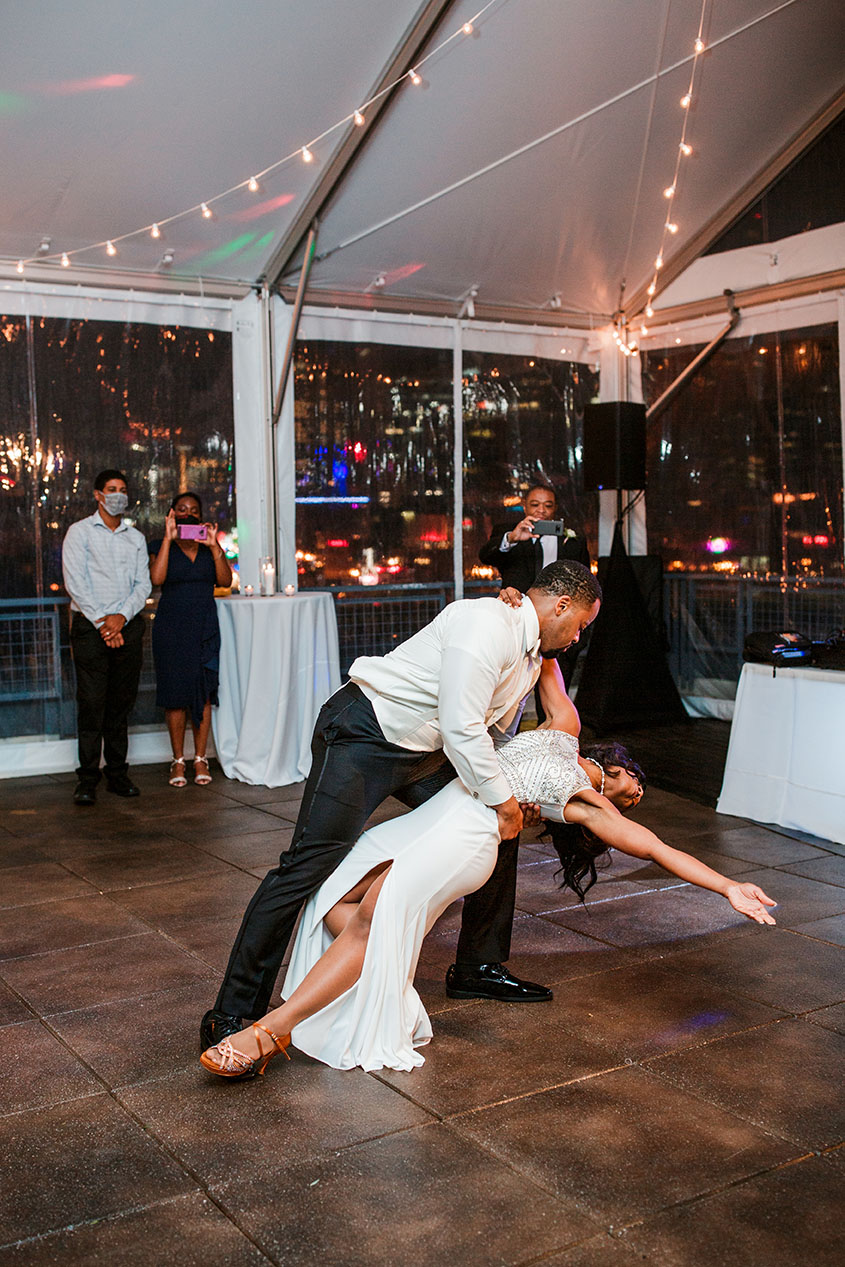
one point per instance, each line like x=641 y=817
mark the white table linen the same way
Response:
x=786 y=757
x=279 y=663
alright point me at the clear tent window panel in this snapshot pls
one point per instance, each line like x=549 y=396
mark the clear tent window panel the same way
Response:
x=745 y=465
x=374 y=464
x=523 y=424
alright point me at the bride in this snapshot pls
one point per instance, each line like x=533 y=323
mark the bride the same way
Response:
x=349 y=994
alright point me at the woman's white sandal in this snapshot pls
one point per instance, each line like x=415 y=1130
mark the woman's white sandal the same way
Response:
x=199 y=776
x=177 y=780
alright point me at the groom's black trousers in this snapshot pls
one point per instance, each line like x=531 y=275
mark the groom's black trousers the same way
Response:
x=353 y=769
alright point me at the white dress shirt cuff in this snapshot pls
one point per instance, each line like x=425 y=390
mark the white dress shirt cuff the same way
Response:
x=506 y=544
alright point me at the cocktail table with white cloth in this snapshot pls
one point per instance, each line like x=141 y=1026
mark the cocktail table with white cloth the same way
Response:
x=786 y=757
x=279 y=663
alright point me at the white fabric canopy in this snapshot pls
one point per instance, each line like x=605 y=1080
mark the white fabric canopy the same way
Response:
x=529 y=163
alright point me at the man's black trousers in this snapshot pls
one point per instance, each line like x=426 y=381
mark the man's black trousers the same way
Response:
x=106 y=688
x=353 y=769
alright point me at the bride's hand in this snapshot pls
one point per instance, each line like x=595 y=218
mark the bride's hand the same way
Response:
x=511 y=596
x=749 y=899
x=531 y=816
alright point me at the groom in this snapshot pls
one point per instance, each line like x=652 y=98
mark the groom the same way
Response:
x=404 y=725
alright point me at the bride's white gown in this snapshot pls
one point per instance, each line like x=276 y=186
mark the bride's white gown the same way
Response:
x=439 y=852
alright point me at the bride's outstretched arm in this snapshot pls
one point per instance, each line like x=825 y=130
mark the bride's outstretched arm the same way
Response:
x=561 y=713
x=597 y=815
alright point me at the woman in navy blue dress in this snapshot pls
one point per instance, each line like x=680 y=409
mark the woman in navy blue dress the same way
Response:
x=186 y=633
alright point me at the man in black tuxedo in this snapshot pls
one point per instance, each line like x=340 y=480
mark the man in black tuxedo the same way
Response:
x=520 y=555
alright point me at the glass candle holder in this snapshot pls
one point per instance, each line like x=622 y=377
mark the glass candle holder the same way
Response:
x=268 y=576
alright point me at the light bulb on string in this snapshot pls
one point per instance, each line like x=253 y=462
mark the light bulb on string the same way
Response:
x=643 y=329
x=699 y=45
x=685 y=149
x=649 y=311
x=65 y=260
x=467 y=28
x=253 y=185
x=206 y=211
x=111 y=249
x=686 y=101
x=19 y=268
x=671 y=227
x=415 y=79
x=358 y=119
x=155 y=231
x=658 y=263
x=669 y=191
x=652 y=288
x=307 y=156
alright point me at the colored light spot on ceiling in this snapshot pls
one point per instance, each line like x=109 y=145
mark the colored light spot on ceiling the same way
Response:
x=399 y=274
x=68 y=87
x=13 y=103
x=261 y=208
x=228 y=249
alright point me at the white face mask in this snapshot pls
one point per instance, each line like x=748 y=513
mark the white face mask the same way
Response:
x=115 y=503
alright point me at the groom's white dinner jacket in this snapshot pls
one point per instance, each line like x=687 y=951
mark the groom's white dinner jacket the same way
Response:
x=465 y=671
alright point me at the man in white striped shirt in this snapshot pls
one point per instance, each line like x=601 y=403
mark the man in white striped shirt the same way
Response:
x=107 y=575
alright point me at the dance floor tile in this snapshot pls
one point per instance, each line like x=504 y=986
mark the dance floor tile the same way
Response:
x=423 y=1196
x=643 y=1010
x=37 y=1070
x=40 y=882
x=487 y=1052
x=249 y=794
x=285 y=812
x=28 y=930
x=75 y=842
x=12 y=1009
x=656 y=921
x=831 y=929
x=623 y=1144
x=829 y=868
x=598 y=1251
x=84 y=976
x=254 y=849
x=78 y=1161
x=829 y=1017
x=538 y=893
x=219 y=895
x=136 y=1040
x=19 y=853
x=772 y=965
x=754 y=1075
x=209 y=940
x=759 y=845
x=21 y=796
x=182 y=1232
x=791 y=1217
x=799 y=899
x=299 y=1109
x=235 y=820
x=131 y=868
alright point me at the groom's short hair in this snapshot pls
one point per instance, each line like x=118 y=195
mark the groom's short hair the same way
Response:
x=570 y=578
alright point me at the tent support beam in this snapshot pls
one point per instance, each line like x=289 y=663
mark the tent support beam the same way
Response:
x=341 y=160
x=310 y=247
x=695 y=364
x=698 y=244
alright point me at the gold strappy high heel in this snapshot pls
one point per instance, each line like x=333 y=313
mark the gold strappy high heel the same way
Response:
x=228 y=1062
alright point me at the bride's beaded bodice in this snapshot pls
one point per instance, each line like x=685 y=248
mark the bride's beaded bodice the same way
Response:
x=542 y=766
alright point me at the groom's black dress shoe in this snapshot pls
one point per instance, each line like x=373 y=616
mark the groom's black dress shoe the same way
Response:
x=492 y=981
x=215 y=1026
x=122 y=786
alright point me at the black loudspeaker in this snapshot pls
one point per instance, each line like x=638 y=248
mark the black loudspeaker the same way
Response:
x=614 y=445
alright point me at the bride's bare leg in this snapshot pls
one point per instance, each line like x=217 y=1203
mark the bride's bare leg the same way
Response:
x=335 y=971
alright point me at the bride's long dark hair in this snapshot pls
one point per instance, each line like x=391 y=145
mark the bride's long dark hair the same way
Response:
x=578 y=849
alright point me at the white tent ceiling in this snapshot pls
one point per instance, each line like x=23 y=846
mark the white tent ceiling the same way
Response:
x=529 y=163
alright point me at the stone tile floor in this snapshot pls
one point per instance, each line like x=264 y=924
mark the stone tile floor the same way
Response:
x=678 y=1103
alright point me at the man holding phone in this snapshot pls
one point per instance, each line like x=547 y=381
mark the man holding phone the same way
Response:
x=104 y=562
x=520 y=552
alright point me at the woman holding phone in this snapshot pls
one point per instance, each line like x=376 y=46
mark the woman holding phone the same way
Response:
x=187 y=563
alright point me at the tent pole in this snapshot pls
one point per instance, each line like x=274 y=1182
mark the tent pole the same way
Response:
x=458 y=461
x=696 y=363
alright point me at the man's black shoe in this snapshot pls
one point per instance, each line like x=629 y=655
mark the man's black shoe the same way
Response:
x=123 y=787
x=492 y=981
x=215 y=1026
x=84 y=794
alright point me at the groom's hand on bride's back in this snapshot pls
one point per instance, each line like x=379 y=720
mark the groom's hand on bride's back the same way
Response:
x=510 y=819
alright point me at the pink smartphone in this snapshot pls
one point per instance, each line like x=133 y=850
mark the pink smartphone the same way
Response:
x=192 y=532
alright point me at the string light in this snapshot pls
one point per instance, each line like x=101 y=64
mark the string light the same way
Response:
x=305 y=153
x=658 y=263
x=699 y=45
x=671 y=228
x=686 y=101
x=652 y=288
x=669 y=191
x=685 y=149
x=649 y=311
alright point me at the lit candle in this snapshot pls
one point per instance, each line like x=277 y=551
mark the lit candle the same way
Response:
x=268 y=577
x=290 y=590
x=248 y=591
